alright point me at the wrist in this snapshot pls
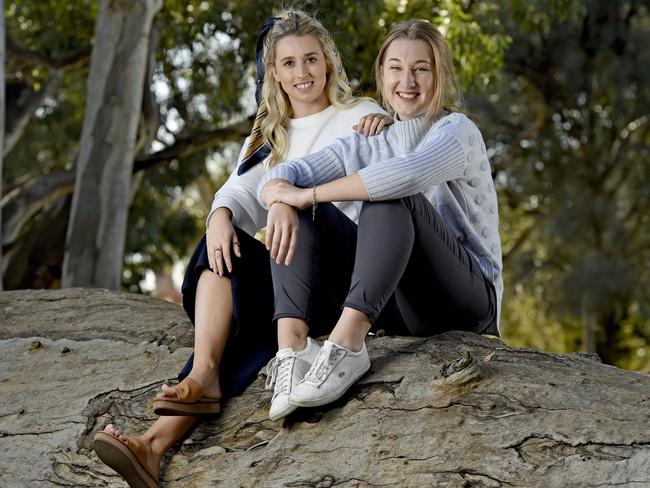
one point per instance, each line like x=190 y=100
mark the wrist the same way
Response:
x=314 y=202
x=221 y=212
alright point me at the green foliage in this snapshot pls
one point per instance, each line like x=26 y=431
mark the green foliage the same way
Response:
x=559 y=88
x=568 y=131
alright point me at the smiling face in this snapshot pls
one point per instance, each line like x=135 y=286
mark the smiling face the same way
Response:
x=407 y=77
x=301 y=70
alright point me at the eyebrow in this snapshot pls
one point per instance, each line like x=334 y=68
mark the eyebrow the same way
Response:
x=416 y=62
x=304 y=56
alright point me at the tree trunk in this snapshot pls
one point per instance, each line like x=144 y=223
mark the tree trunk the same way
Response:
x=2 y=114
x=97 y=227
x=452 y=410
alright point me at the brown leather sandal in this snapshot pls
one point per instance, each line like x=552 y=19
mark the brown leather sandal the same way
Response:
x=190 y=401
x=127 y=460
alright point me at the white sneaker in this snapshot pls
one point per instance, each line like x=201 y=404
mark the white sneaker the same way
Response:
x=283 y=373
x=335 y=370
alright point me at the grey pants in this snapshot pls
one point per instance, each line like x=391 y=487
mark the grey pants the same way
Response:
x=402 y=267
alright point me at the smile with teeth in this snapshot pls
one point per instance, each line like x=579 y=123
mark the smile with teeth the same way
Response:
x=407 y=95
x=304 y=86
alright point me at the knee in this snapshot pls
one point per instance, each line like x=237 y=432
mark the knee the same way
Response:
x=384 y=210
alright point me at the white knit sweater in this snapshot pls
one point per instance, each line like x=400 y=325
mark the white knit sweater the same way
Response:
x=444 y=159
x=306 y=135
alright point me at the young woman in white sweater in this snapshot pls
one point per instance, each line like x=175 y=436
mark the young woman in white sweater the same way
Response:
x=426 y=256
x=306 y=104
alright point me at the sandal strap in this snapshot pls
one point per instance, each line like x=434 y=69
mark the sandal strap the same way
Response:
x=189 y=390
x=139 y=451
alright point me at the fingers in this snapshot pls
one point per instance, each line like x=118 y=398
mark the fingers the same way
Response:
x=275 y=242
x=208 y=247
x=372 y=124
x=281 y=233
x=367 y=124
x=220 y=250
x=380 y=126
x=217 y=255
x=225 y=254
x=283 y=245
x=268 y=239
x=292 y=247
x=236 y=247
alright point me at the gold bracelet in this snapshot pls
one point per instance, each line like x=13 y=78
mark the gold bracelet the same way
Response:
x=314 y=204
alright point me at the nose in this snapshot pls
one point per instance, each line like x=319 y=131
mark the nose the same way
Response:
x=303 y=70
x=409 y=78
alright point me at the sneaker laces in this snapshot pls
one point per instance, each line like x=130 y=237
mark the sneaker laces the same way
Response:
x=278 y=374
x=323 y=364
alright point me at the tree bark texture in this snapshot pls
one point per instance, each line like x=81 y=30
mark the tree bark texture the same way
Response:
x=97 y=227
x=2 y=116
x=453 y=410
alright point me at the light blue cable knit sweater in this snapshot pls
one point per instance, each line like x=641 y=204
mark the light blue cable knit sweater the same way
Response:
x=444 y=159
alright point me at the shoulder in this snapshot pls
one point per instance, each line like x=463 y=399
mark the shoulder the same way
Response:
x=355 y=112
x=460 y=126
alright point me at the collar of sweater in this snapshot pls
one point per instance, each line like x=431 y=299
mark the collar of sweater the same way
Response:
x=411 y=132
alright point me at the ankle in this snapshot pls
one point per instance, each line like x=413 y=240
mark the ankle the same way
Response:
x=207 y=376
x=204 y=368
x=351 y=330
x=292 y=333
x=297 y=344
x=156 y=446
x=348 y=343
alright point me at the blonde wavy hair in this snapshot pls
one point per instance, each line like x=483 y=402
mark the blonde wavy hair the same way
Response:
x=339 y=93
x=447 y=94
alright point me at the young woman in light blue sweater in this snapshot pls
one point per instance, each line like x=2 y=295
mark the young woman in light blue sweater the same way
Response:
x=426 y=256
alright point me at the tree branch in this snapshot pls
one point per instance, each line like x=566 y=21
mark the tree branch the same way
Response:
x=193 y=144
x=57 y=62
x=25 y=200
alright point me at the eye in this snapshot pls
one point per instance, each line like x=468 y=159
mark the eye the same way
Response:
x=421 y=69
x=288 y=63
x=394 y=68
x=312 y=59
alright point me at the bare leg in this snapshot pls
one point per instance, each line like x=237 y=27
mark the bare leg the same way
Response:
x=351 y=329
x=213 y=321
x=213 y=317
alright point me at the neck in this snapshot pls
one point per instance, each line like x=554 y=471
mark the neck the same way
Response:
x=304 y=109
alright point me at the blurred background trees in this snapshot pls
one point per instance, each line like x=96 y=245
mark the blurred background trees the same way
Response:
x=560 y=91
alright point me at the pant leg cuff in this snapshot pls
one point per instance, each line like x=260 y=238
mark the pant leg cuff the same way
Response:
x=372 y=315
x=290 y=315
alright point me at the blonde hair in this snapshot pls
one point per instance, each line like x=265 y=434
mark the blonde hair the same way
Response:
x=339 y=93
x=446 y=94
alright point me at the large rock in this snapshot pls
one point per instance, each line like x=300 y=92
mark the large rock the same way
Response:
x=452 y=410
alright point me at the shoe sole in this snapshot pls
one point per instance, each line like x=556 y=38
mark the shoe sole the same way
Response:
x=332 y=397
x=179 y=409
x=123 y=461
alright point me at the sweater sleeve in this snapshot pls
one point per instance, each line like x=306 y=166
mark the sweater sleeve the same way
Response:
x=314 y=169
x=439 y=158
x=238 y=195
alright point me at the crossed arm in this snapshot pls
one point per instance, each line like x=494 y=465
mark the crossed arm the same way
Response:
x=284 y=199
